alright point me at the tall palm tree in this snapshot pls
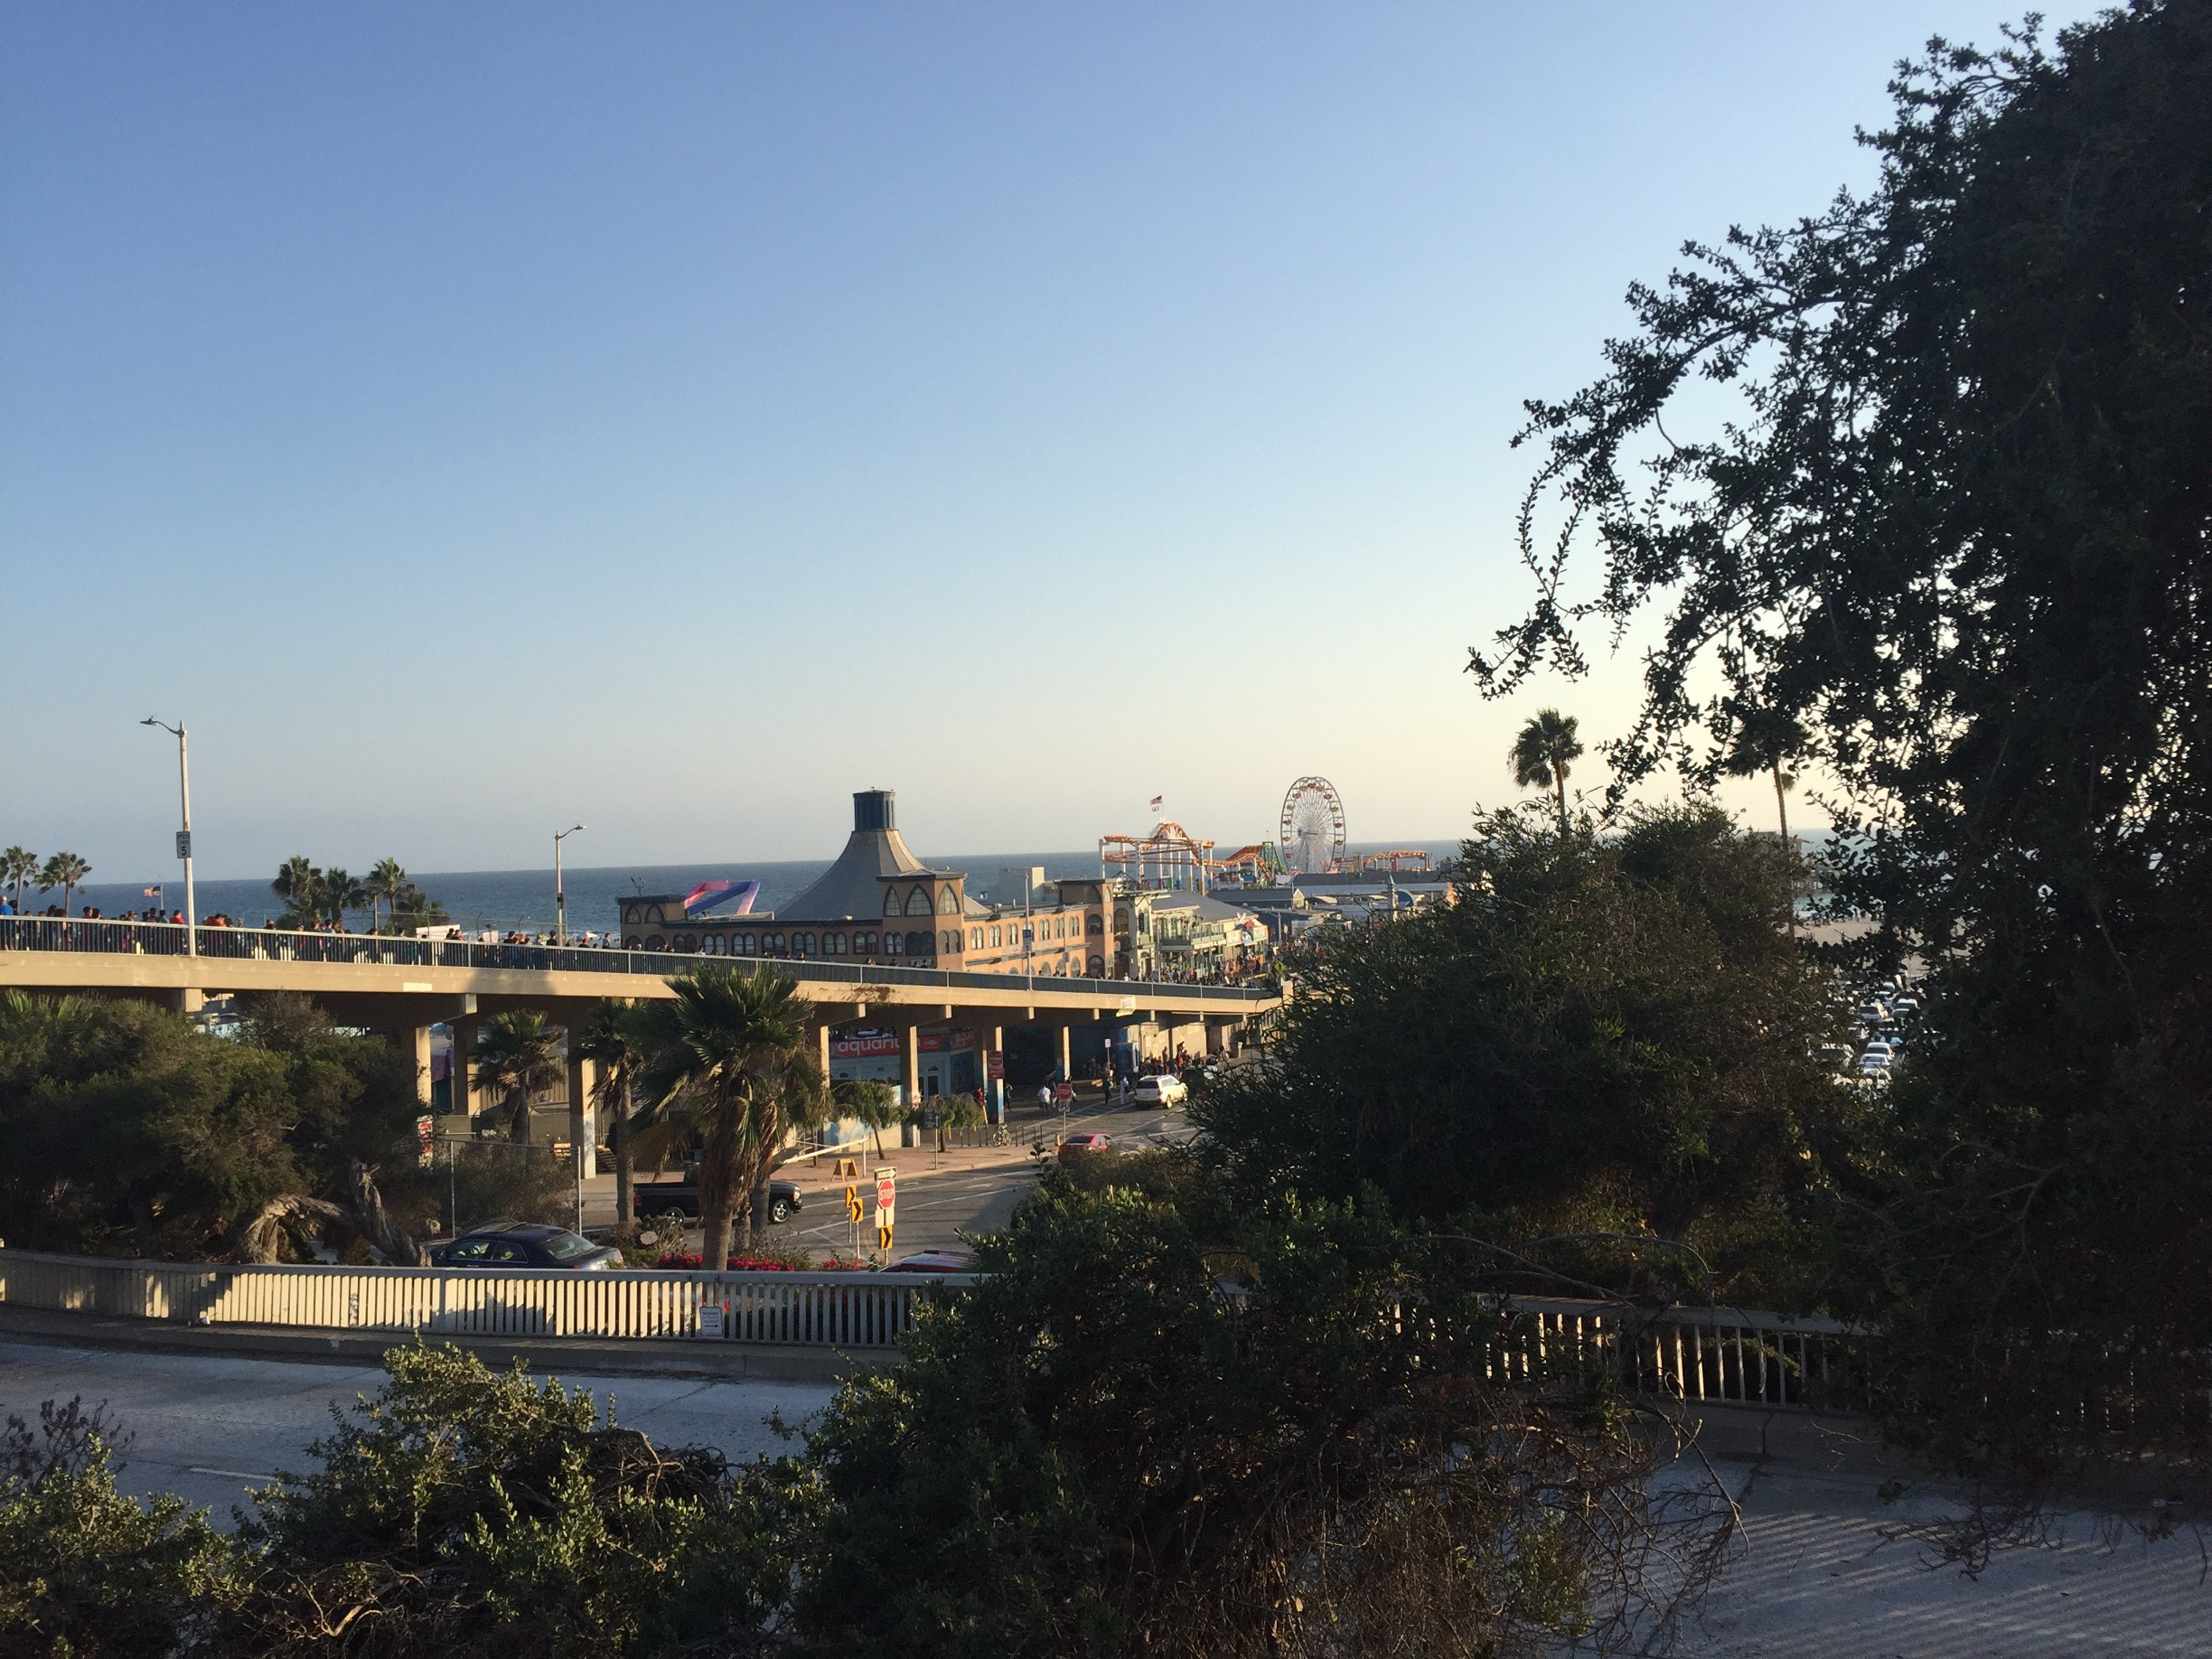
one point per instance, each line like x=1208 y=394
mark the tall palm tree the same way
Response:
x=342 y=893
x=1540 y=756
x=386 y=883
x=1766 y=740
x=300 y=885
x=517 y=1054
x=616 y=1039
x=18 y=865
x=737 y=1066
x=66 y=871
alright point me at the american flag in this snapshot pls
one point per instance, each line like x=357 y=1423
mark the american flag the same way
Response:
x=1155 y=801
x=153 y=892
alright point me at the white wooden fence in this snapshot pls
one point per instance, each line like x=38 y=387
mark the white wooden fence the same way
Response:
x=829 y=1310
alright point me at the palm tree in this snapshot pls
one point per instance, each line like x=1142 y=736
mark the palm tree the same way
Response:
x=18 y=865
x=735 y=1063
x=616 y=1039
x=1540 y=756
x=1766 y=738
x=342 y=893
x=66 y=871
x=517 y=1054
x=386 y=883
x=300 y=885
x=866 y=1100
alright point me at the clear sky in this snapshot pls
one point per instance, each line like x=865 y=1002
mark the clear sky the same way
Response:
x=472 y=419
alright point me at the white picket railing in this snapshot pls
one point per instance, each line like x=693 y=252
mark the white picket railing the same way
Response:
x=829 y=1310
x=1709 y=1355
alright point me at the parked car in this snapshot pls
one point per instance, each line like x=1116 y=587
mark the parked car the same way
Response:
x=1874 y=1064
x=934 y=1261
x=1075 y=1144
x=1832 y=1055
x=657 y=1197
x=1882 y=1046
x=524 y=1247
x=1162 y=1090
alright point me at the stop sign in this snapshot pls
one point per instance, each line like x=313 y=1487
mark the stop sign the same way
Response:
x=1064 y=1093
x=886 y=1193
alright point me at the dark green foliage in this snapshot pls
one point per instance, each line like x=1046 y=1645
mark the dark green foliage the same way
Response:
x=470 y=1513
x=86 y=1573
x=1600 y=1035
x=1955 y=551
x=1101 y=1450
x=126 y=1130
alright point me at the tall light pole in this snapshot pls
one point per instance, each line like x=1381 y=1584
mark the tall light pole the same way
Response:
x=560 y=898
x=183 y=841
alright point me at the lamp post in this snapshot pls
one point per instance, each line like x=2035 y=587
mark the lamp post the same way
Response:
x=183 y=841
x=560 y=898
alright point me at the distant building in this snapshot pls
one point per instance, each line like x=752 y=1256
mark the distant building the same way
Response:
x=879 y=904
x=1156 y=929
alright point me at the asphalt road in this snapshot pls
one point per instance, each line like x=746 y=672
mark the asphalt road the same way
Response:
x=1823 y=1568
x=964 y=1190
x=212 y=1428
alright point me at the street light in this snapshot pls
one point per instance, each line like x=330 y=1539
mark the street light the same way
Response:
x=560 y=898
x=183 y=841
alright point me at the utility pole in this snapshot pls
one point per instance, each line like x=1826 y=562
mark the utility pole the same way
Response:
x=183 y=841
x=560 y=921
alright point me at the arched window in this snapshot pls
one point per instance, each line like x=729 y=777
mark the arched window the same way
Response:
x=917 y=944
x=632 y=943
x=653 y=914
x=975 y=939
x=833 y=946
x=630 y=913
x=871 y=943
x=804 y=945
x=654 y=941
x=918 y=902
x=1094 y=923
x=891 y=944
x=683 y=941
x=891 y=901
x=948 y=942
x=947 y=905
x=1098 y=967
x=711 y=945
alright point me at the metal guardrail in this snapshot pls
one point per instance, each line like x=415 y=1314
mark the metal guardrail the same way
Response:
x=844 y=1310
x=103 y=937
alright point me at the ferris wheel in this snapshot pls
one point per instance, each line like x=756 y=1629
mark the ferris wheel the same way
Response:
x=1313 y=826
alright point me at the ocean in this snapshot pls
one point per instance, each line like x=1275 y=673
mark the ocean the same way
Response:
x=522 y=900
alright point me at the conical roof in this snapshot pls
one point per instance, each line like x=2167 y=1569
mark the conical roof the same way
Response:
x=851 y=889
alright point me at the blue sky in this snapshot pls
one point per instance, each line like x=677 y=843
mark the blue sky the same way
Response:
x=678 y=417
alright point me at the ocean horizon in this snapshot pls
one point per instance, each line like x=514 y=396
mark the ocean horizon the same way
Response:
x=522 y=900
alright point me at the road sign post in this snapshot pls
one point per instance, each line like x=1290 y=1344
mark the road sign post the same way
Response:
x=887 y=1206
x=853 y=1216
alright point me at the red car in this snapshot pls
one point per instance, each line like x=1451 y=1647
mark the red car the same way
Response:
x=1075 y=1144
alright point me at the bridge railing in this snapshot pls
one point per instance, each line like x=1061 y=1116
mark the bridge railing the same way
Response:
x=1705 y=1356
x=845 y=1310
x=103 y=937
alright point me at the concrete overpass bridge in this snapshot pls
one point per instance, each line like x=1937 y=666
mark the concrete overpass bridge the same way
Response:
x=403 y=986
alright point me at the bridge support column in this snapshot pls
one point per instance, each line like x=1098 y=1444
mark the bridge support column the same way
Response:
x=461 y=1067
x=991 y=1040
x=582 y=1121
x=420 y=1049
x=1067 y=1063
x=910 y=1077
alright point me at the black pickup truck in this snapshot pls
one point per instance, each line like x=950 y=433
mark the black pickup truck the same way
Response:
x=659 y=1197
